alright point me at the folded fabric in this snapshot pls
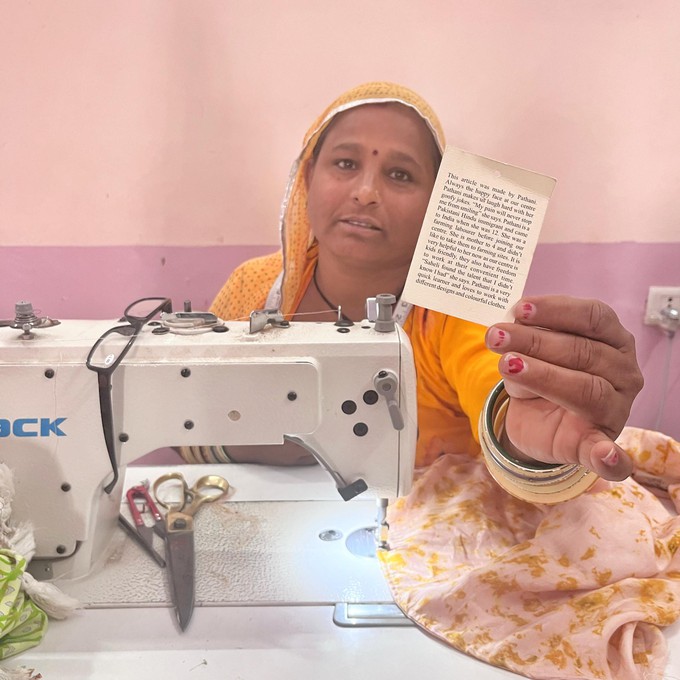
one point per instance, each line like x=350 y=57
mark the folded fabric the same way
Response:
x=575 y=590
x=22 y=623
x=25 y=603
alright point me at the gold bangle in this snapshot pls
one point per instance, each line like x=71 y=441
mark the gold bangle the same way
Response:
x=535 y=482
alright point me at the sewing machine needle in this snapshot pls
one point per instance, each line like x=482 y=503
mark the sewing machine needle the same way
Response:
x=382 y=526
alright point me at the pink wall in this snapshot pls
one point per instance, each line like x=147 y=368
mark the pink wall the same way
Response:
x=166 y=122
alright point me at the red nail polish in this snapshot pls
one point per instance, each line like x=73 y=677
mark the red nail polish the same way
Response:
x=497 y=337
x=528 y=310
x=515 y=365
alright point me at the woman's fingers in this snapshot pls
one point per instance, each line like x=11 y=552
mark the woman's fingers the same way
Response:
x=570 y=369
x=544 y=431
x=608 y=460
x=574 y=353
x=589 y=396
x=576 y=316
x=600 y=346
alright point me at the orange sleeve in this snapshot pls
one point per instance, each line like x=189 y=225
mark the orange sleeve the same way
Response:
x=455 y=372
x=469 y=366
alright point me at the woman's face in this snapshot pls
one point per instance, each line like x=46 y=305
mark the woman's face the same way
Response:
x=370 y=183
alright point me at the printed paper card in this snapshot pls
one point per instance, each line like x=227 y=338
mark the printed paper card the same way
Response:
x=475 y=247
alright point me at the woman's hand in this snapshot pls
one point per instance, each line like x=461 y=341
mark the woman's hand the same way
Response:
x=570 y=369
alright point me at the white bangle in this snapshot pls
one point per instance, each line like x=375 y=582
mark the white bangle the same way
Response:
x=535 y=482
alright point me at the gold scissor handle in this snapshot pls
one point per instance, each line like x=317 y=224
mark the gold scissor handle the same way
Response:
x=206 y=490
x=171 y=506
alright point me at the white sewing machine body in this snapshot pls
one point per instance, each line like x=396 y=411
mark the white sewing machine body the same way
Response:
x=313 y=383
x=281 y=592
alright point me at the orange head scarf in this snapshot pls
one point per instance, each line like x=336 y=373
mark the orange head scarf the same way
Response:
x=294 y=225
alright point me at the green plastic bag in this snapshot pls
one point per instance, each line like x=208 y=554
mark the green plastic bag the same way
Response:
x=22 y=622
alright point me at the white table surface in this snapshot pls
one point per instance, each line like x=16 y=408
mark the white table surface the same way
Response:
x=272 y=636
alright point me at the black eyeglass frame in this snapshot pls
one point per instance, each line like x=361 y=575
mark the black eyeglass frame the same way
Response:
x=132 y=328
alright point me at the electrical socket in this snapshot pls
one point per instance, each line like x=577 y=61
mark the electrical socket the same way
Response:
x=658 y=298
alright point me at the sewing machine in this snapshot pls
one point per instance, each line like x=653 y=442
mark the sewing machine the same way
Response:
x=344 y=393
x=284 y=579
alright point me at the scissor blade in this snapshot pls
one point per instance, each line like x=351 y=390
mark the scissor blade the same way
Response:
x=141 y=540
x=180 y=558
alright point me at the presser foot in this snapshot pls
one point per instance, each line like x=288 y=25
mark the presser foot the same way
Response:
x=366 y=542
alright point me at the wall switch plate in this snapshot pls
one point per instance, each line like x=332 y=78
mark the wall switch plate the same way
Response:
x=658 y=298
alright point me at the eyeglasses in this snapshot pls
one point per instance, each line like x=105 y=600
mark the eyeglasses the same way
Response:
x=107 y=354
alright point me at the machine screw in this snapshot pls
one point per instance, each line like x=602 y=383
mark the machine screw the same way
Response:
x=61 y=549
x=123 y=437
x=189 y=424
x=49 y=373
x=292 y=396
x=65 y=487
x=185 y=372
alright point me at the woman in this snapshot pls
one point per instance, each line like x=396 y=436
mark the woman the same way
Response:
x=355 y=203
x=531 y=587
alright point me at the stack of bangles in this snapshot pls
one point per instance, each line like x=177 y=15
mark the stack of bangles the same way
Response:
x=535 y=482
x=204 y=454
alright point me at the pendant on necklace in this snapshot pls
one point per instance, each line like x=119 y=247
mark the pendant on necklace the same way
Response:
x=342 y=319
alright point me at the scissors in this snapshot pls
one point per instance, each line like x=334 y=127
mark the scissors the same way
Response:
x=179 y=532
x=141 y=531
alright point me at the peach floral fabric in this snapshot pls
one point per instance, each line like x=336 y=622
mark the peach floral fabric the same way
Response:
x=575 y=590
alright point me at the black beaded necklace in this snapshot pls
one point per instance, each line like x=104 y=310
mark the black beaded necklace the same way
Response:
x=331 y=306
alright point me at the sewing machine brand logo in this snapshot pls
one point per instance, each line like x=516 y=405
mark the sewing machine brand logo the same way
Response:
x=31 y=427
